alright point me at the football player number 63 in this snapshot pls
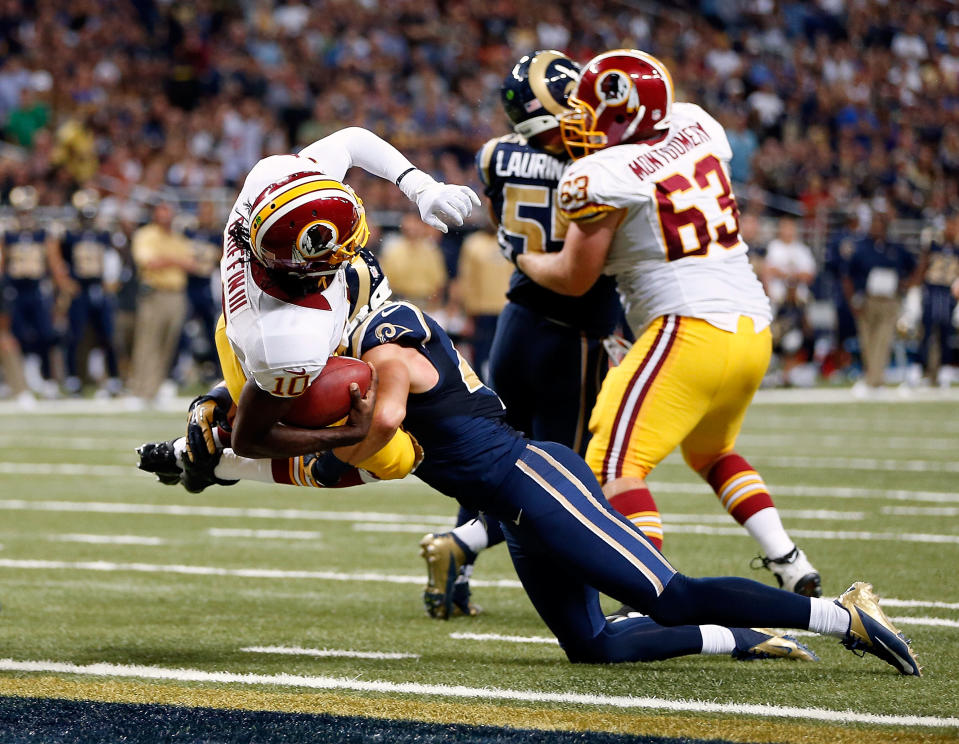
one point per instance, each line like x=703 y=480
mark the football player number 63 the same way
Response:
x=690 y=231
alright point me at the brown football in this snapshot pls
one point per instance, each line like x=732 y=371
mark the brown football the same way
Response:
x=327 y=400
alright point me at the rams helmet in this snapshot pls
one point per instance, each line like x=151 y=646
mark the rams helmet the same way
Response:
x=534 y=92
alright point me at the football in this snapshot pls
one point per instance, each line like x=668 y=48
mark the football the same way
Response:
x=327 y=400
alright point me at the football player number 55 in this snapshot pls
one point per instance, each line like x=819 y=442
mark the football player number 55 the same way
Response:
x=691 y=230
x=539 y=210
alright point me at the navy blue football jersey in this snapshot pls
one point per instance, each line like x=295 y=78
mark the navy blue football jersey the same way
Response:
x=521 y=183
x=24 y=255
x=207 y=246
x=459 y=422
x=943 y=266
x=84 y=252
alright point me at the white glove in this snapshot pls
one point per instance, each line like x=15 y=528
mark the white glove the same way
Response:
x=440 y=204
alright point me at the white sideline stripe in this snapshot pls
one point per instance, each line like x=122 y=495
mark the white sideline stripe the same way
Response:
x=264 y=534
x=503 y=638
x=264 y=573
x=109 y=539
x=298 y=651
x=833 y=492
x=702 y=529
x=934 y=621
x=419 y=529
x=475 y=693
x=250 y=573
x=858 y=463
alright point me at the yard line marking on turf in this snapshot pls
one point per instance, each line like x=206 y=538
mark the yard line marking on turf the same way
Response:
x=476 y=693
x=68 y=468
x=920 y=511
x=414 y=528
x=25 y=441
x=702 y=529
x=109 y=539
x=266 y=573
x=920 y=603
x=504 y=638
x=323 y=652
x=825 y=441
x=177 y=510
x=832 y=492
x=858 y=463
x=250 y=573
x=934 y=621
x=265 y=534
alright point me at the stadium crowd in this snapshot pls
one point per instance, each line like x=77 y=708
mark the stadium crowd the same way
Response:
x=127 y=122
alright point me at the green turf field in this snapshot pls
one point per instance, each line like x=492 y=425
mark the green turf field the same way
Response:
x=266 y=598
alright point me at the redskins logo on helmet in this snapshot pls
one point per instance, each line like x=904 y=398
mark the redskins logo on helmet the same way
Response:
x=622 y=96
x=307 y=225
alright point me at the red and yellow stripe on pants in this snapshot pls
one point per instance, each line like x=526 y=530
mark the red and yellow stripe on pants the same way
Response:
x=684 y=383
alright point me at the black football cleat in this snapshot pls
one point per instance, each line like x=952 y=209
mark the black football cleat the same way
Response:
x=159 y=458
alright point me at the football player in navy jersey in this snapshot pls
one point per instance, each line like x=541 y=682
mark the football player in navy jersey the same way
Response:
x=26 y=248
x=540 y=335
x=84 y=252
x=206 y=240
x=565 y=541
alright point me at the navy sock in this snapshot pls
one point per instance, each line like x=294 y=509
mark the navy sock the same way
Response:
x=729 y=601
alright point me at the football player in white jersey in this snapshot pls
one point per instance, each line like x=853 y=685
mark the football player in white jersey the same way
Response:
x=649 y=200
x=293 y=227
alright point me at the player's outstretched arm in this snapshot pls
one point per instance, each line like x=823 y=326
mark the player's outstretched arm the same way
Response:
x=573 y=270
x=258 y=433
x=440 y=204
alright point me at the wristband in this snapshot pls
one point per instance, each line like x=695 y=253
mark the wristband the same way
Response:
x=404 y=174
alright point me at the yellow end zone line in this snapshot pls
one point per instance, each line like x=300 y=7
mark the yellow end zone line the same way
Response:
x=672 y=725
x=103 y=669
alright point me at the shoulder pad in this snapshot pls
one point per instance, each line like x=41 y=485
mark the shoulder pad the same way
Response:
x=395 y=322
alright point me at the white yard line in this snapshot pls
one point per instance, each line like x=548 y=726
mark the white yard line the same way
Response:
x=918 y=537
x=939 y=622
x=420 y=529
x=472 y=693
x=920 y=511
x=70 y=468
x=503 y=638
x=109 y=539
x=264 y=534
x=324 y=652
x=821 y=441
x=826 y=492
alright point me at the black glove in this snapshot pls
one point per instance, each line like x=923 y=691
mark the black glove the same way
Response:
x=201 y=455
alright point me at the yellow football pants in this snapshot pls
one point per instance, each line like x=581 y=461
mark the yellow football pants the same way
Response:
x=684 y=383
x=396 y=460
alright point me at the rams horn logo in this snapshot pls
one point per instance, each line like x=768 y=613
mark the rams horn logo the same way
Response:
x=389 y=331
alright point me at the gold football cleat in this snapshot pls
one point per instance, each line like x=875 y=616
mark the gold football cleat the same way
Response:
x=447 y=592
x=762 y=643
x=870 y=631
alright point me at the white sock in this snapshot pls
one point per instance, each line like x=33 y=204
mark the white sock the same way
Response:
x=766 y=528
x=473 y=534
x=234 y=467
x=828 y=618
x=717 y=639
x=179 y=447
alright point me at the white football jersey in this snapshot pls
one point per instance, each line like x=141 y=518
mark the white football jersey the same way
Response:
x=282 y=344
x=678 y=248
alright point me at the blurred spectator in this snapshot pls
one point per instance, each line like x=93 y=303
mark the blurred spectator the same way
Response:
x=413 y=262
x=163 y=258
x=789 y=266
x=11 y=360
x=875 y=279
x=206 y=242
x=939 y=271
x=26 y=248
x=82 y=256
x=482 y=279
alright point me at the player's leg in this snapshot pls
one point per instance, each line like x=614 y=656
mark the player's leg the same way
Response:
x=554 y=499
x=646 y=407
x=78 y=315
x=708 y=449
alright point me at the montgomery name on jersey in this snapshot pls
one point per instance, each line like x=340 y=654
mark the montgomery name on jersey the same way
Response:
x=522 y=185
x=675 y=251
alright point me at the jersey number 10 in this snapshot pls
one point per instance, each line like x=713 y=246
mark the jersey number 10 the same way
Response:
x=690 y=231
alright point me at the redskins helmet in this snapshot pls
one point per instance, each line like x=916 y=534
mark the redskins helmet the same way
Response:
x=306 y=225
x=534 y=92
x=622 y=96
